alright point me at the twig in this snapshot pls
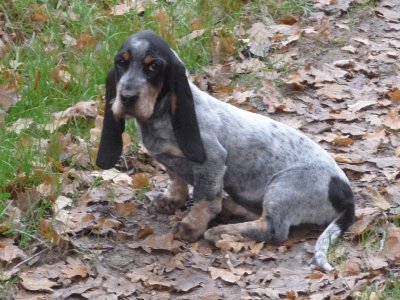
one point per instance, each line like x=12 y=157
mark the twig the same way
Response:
x=28 y=259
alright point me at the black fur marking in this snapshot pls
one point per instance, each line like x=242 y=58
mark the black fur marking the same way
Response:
x=341 y=198
x=111 y=136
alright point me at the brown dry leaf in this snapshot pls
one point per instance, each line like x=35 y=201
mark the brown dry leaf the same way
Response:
x=85 y=40
x=83 y=109
x=8 y=96
x=288 y=21
x=127 y=6
x=144 y=231
x=344 y=115
x=343 y=141
x=74 y=268
x=379 y=200
x=392 y=119
x=322 y=3
x=10 y=253
x=376 y=262
x=36 y=282
x=61 y=76
x=308 y=75
x=224 y=274
x=21 y=124
x=188 y=281
x=234 y=243
x=333 y=91
x=240 y=271
x=223 y=46
x=106 y=225
x=119 y=286
x=350 y=267
x=350 y=49
x=53 y=236
x=141 y=181
x=394 y=95
x=163 y=242
x=125 y=209
x=114 y=175
x=195 y=34
x=364 y=218
x=26 y=199
x=260 y=37
x=39 y=13
x=392 y=243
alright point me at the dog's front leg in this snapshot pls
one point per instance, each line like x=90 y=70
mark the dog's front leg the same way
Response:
x=207 y=198
x=175 y=196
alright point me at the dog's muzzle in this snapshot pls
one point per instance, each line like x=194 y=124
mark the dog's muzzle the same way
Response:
x=128 y=100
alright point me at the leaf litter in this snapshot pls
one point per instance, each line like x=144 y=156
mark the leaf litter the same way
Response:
x=346 y=98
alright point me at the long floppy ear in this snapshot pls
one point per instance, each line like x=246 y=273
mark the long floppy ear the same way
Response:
x=183 y=115
x=110 y=148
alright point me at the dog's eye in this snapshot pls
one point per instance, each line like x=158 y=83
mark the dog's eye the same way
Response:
x=122 y=63
x=154 y=66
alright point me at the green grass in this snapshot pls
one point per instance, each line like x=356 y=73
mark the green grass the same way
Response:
x=389 y=291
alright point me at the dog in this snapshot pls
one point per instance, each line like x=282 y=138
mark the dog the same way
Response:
x=276 y=176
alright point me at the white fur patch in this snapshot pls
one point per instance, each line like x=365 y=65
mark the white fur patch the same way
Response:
x=117 y=107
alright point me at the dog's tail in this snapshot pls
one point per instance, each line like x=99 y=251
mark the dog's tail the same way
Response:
x=341 y=198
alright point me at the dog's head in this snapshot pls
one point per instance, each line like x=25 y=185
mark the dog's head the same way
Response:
x=146 y=73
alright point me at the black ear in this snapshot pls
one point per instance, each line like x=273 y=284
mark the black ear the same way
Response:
x=183 y=115
x=110 y=148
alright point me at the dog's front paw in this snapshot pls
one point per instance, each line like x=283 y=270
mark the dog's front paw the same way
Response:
x=166 y=205
x=187 y=231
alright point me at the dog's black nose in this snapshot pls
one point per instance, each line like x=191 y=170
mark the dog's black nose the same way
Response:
x=128 y=100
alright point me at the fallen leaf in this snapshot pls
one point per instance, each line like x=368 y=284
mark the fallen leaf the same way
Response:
x=392 y=243
x=224 y=274
x=392 y=119
x=350 y=267
x=376 y=262
x=364 y=218
x=153 y=242
x=259 y=39
x=141 y=181
x=188 y=282
x=113 y=175
x=379 y=200
x=31 y=282
x=233 y=243
x=125 y=209
x=343 y=141
x=144 y=231
x=10 y=253
x=394 y=95
x=74 y=268
x=359 y=105
x=8 y=96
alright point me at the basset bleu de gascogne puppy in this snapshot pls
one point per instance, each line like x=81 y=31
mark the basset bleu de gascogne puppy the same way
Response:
x=270 y=170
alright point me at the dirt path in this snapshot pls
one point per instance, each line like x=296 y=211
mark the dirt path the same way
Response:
x=345 y=94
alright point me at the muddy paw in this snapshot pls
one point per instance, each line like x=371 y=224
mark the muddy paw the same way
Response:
x=187 y=232
x=163 y=204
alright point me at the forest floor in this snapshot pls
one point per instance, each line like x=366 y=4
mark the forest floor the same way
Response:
x=333 y=73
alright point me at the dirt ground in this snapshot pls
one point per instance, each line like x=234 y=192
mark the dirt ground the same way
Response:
x=342 y=90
